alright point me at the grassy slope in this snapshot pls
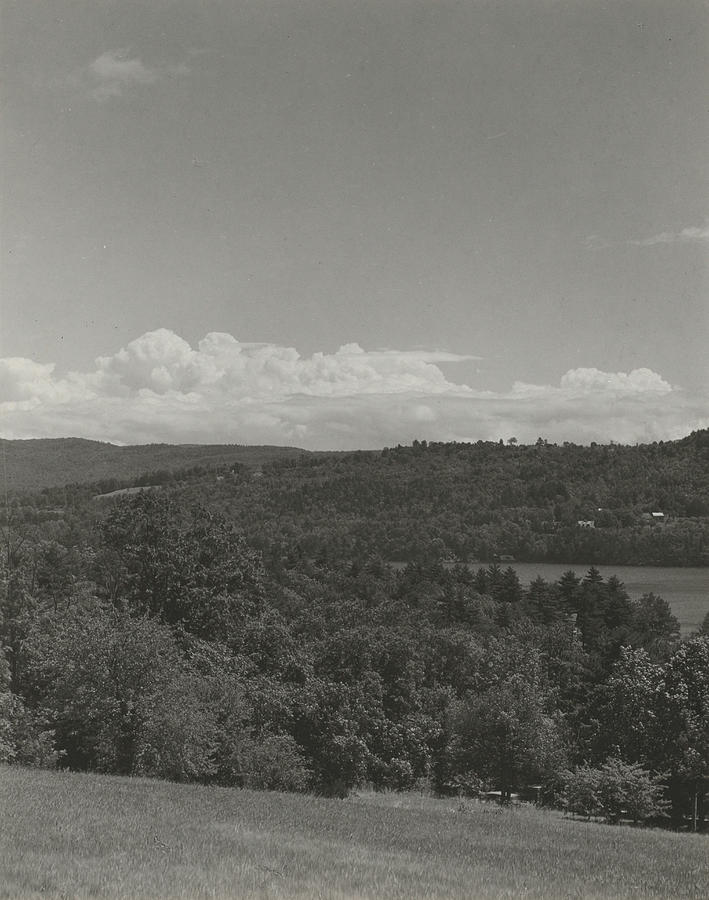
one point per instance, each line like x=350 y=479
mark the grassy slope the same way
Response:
x=79 y=835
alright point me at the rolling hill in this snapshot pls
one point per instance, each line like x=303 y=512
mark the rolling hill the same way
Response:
x=52 y=462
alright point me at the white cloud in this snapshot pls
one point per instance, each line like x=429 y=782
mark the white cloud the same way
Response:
x=162 y=362
x=116 y=65
x=24 y=379
x=690 y=235
x=159 y=388
x=637 y=381
x=115 y=70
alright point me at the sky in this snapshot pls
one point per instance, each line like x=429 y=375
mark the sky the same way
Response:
x=344 y=224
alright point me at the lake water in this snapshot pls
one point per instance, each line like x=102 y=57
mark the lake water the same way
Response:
x=686 y=590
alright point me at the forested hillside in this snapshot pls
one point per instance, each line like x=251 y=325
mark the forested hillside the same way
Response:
x=484 y=501
x=604 y=504
x=240 y=625
x=159 y=642
x=34 y=464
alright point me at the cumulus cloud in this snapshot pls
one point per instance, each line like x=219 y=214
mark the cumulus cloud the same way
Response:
x=162 y=362
x=159 y=388
x=579 y=382
x=24 y=379
x=637 y=381
x=115 y=70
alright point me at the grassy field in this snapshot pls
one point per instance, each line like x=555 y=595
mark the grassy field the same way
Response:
x=64 y=835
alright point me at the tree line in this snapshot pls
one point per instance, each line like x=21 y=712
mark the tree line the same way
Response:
x=158 y=640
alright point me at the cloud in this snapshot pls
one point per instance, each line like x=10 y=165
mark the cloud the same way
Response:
x=162 y=362
x=24 y=379
x=690 y=235
x=159 y=388
x=115 y=70
x=637 y=381
x=115 y=65
x=596 y=242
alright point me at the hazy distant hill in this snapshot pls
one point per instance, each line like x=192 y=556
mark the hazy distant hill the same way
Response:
x=58 y=461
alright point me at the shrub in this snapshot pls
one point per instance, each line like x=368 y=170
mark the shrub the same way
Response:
x=270 y=762
x=396 y=774
x=466 y=784
x=579 y=794
x=627 y=790
x=7 y=732
x=615 y=790
x=24 y=735
x=179 y=738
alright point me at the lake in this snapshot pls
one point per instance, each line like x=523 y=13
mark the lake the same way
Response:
x=686 y=590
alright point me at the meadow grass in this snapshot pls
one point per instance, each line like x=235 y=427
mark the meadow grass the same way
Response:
x=69 y=835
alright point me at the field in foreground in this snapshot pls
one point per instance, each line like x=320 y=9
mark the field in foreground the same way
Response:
x=65 y=835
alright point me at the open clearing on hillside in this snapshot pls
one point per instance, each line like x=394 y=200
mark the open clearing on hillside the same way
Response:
x=67 y=835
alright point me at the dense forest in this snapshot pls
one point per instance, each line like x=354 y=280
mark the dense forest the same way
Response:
x=240 y=625
x=603 y=504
